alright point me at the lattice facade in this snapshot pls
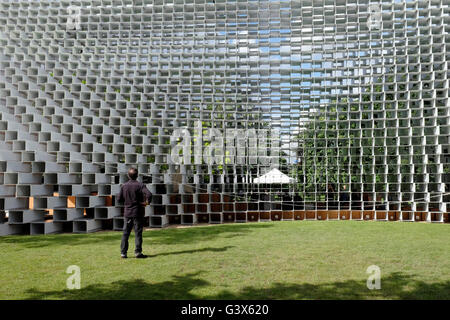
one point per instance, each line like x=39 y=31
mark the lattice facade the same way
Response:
x=334 y=93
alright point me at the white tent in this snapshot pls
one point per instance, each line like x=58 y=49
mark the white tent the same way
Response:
x=274 y=176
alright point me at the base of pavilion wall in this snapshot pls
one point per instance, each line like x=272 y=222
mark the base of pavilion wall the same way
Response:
x=90 y=224
x=299 y=215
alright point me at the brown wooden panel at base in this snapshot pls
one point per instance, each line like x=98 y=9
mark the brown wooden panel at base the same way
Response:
x=275 y=215
x=309 y=214
x=369 y=215
x=447 y=217
x=435 y=216
x=215 y=217
x=174 y=219
x=393 y=215
x=322 y=215
x=356 y=215
x=252 y=216
x=288 y=215
x=420 y=216
x=380 y=215
x=333 y=214
x=344 y=214
x=187 y=219
x=264 y=215
x=299 y=215
x=407 y=215
x=228 y=217
x=203 y=217
x=241 y=216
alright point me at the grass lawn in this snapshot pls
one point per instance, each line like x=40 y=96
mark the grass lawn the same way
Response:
x=279 y=260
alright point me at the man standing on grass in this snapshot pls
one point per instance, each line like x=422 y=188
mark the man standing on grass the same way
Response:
x=135 y=196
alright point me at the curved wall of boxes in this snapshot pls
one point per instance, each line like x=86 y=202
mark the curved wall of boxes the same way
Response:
x=352 y=97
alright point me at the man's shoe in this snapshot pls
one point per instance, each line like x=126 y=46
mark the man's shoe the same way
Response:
x=123 y=256
x=141 y=256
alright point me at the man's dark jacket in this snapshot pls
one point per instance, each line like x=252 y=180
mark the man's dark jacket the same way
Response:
x=133 y=193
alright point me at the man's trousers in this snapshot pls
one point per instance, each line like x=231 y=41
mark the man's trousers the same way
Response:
x=129 y=223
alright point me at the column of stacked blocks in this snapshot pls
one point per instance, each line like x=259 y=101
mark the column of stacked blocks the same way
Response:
x=355 y=101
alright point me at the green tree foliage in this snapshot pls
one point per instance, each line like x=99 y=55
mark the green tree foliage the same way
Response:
x=335 y=141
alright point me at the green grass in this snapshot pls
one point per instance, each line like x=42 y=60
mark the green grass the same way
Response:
x=281 y=260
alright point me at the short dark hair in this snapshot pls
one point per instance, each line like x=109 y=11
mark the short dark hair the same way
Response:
x=133 y=173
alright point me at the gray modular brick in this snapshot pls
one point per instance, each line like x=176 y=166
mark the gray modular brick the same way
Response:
x=68 y=214
x=12 y=229
x=25 y=216
x=107 y=212
x=47 y=227
x=86 y=225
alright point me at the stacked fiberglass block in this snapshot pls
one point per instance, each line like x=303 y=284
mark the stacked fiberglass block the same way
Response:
x=352 y=93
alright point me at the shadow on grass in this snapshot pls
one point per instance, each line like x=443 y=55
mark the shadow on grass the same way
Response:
x=179 y=288
x=206 y=233
x=393 y=286
x=190 y=251
x=163 y=236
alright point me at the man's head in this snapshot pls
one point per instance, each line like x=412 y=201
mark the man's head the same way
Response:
x=132 y=173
